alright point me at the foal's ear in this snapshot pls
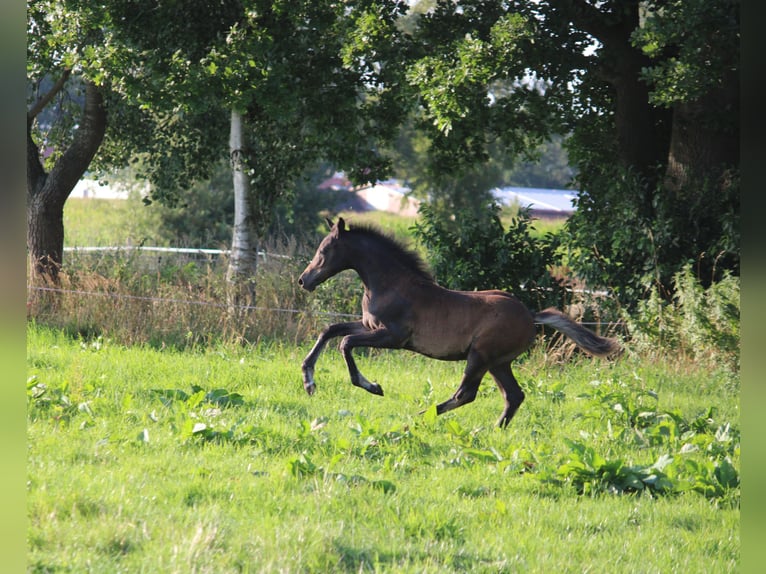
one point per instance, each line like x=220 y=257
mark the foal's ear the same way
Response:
x=340 y=227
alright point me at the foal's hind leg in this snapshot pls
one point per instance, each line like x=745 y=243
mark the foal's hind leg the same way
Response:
x=511 y=391
x=475 y=370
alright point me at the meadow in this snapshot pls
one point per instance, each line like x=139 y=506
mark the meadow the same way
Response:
x=150 y=450
x=150 y=460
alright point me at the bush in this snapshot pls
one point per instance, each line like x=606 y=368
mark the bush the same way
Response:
x=699 y=322
x=474 y=252
x=631 y=235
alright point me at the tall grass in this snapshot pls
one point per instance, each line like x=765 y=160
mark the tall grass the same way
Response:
x=700 y=324
x=134 y=297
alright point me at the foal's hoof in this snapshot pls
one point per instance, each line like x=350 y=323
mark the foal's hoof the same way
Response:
x=368 y=386
x=311 y=388
x=505 y=419
x=376 y=389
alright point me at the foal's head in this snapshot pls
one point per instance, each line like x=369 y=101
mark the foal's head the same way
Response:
x=361 y=248
x=330 y=258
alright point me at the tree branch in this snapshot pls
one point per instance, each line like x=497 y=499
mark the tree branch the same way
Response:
x=601 y=25
x=46 y=99
x=87 y=139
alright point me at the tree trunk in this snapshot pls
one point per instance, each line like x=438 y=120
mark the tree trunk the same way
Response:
x=47 y=192
x=243 y=262
x=704 y=144
x=642 y=130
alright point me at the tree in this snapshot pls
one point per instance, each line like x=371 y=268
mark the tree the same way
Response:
x=69 y=144
x=79 y=117
x=646 y=91
x=172 y=78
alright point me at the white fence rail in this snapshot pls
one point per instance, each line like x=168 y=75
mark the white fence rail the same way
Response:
x=177 y=250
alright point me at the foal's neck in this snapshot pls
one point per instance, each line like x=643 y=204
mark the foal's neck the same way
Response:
x=376 y=266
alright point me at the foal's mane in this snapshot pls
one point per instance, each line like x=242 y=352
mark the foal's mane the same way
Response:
x=403 y=254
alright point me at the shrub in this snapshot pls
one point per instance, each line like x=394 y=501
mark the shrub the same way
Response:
x=473 y=251
x=699 y=322
x=631 y=235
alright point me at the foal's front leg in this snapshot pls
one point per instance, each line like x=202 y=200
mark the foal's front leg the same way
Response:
x=336 y=330
x=380 y=339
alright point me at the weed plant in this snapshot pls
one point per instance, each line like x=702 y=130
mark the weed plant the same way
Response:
x=701 y=324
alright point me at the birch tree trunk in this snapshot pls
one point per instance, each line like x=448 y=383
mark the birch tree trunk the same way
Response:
x=240 y=275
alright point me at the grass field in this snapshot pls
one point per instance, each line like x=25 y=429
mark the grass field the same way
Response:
x=102 y=222
x=149 y=460
x=110 y=222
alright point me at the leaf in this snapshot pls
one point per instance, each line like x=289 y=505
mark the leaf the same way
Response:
x=385 y=485
x=662 y=462
x=455 y=429
x=167 y=396
x=726 y=474
x=302 y=467
x=318 y=424
x=37 y=390
x=224 y=398
x=430 y=416
x=484 y=455
x=632 y=480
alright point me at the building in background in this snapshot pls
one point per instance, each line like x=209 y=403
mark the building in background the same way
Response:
x=393 y=197
x=542 y=203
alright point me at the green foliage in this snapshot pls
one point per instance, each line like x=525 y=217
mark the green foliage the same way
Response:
x=550 y=168
x=170 y=76
x=675 y=38
x=588 y=470
x=700 y=322
x=204 y=216
x=470 y=86
x=475 y=252
x=695 y=454
x=634 y=227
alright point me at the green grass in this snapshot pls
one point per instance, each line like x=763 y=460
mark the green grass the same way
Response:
x=154 y=460
x=111 y=222
x=118 y=222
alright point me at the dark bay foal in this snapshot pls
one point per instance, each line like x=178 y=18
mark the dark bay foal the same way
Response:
x=404 y=308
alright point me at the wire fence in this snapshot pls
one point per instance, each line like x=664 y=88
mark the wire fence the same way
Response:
x=122 y=296
x=199 y=251
x=169 y=300
x=149 y=293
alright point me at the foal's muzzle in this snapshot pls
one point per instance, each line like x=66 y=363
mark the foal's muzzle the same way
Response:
x=306 y=282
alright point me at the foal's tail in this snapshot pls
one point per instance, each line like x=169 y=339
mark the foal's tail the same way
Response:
x=588 y=340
